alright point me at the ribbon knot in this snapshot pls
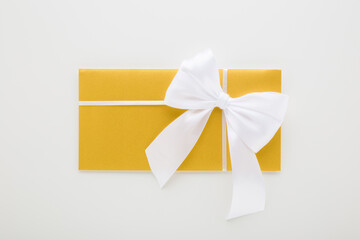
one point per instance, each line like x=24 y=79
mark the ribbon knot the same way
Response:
x=196 y=87
x=223 y=100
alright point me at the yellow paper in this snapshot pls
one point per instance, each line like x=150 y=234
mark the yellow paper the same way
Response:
x=115 y=137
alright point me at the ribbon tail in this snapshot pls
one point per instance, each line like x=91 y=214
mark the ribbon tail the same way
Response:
x=170 y=148
x=248 y=183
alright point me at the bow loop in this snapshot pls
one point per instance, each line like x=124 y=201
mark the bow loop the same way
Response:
x=196 y=85
x=256 y=117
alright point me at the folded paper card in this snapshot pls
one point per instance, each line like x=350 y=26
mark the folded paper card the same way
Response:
x=115 y=137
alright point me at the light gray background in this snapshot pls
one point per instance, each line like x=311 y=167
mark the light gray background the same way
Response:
x=43 y=44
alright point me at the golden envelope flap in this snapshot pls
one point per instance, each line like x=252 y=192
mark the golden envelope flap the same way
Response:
x=115 y=137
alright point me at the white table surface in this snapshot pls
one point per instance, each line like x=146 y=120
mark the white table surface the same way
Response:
x=43 y=43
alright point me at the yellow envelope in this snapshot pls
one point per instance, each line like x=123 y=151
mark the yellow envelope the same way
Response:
x=115 y=137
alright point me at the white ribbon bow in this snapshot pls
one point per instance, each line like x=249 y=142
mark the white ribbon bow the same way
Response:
x=252 y=120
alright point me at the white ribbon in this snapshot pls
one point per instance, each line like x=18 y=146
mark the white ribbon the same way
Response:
x=252 y=120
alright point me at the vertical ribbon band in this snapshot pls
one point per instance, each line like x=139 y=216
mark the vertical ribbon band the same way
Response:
x=223 y=120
